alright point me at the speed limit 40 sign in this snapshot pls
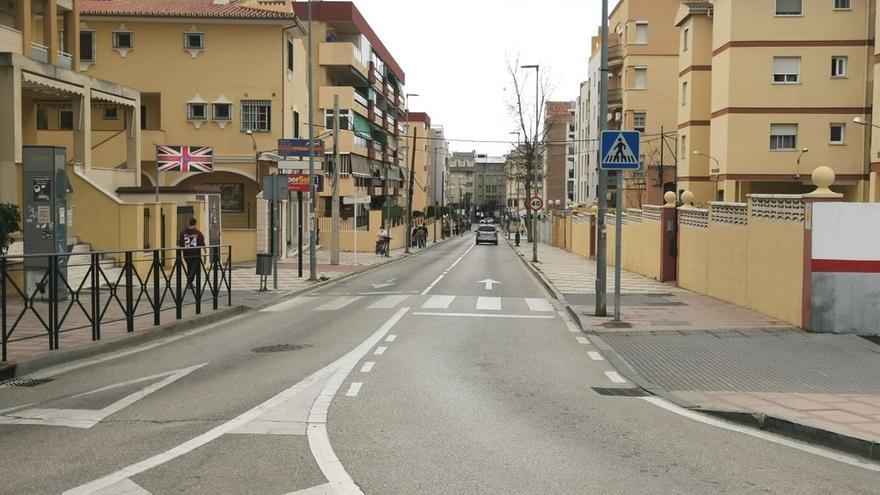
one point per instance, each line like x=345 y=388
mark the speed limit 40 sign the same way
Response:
x=536 y=203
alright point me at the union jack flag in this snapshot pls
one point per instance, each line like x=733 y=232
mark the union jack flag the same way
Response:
x=185 y=158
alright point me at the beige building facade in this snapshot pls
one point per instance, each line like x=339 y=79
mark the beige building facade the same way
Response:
x=769 y=90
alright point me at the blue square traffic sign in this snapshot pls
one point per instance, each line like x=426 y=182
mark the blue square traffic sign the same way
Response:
x=620 y=150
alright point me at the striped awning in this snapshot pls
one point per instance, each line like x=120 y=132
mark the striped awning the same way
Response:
x=37 y=82
x=119 y=100
x=360 y=166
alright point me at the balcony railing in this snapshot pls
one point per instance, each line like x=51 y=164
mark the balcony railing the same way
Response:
x=340 y=53
x=615 y=53
x=40 y=53
x=379 y=112
x=615 y=96
x=65 y=60
x=360 y=99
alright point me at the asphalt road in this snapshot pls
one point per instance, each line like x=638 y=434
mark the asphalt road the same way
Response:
x=413 y=378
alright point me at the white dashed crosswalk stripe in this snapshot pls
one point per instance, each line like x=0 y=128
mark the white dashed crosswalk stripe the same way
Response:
x=338 y=303
x=289 y=304
x=388 y=302
x=538 y=304
x=438 y=302
x=488 y=304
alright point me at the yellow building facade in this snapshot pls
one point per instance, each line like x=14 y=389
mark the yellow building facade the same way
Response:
x=417 y=138
x=768 y=91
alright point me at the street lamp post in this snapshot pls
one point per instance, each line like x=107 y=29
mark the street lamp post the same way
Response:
x=313 y=257
x=533 y=156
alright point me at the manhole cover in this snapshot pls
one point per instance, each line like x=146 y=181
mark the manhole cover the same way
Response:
x=24 y=382
x=620 y=392
x=278 y=348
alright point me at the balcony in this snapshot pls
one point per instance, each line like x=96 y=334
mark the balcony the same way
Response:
x=615 y=96
x=40 y=53
x=10 y=40
x=342 y=55
x=389 y=123
x=65 y=60
x=615 y=55
x=348 y=98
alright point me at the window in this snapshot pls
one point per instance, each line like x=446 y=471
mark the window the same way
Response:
x=639 y=121
x=256 y=115
x=345 y=119
x=193 y=41
x=289 y=55
x=65 y=119
x=296 y=124
x=789 y=7
x=123 y=39
x=685 y=42
x=684 y=93
x=783 y=136
x=641 y=78
x=842 y=5
x=642 y=33
x=110 y=113
x=570 y=127
x=684 y=146
x=196 y=111
x=838 y=66
x=786 y=70
x=87 y=46
x=42 y=118
x=221 y=111
x=838 y=134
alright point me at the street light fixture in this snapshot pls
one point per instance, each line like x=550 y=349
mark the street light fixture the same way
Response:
x=797 y=174
x=861 y=121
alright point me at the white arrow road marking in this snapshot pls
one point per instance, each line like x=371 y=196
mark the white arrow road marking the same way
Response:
x=325 y=489
x=388 y=283
x=124 y=487
x=87 y=418
x=319 y=441
x=489 y=283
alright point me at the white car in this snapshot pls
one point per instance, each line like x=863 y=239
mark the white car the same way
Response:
x=487 y=233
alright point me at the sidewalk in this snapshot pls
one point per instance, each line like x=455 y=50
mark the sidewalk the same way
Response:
x=245 y=296
x=705 y=353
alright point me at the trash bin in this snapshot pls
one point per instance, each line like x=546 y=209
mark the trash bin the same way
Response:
x=264 y=264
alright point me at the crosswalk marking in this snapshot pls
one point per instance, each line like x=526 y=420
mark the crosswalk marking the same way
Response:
x=388 y=302
x=538 y=304
x=284 y=306
x=438 y=302
x=488 y=303
x=338 y=303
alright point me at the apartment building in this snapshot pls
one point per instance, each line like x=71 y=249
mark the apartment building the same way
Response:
x=438 y=149
x=351 y=62
x=490 y=184
x=47 y=100
x=460 y=183
x=643 y=67
x=200 y=88
x=418 y=128
x=558 y=154
x=769 y=90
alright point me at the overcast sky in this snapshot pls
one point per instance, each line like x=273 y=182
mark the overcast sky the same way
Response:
x=454 y=54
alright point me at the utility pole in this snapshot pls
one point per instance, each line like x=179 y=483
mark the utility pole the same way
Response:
x=409 y=196
x=602 y=189
x=313 y=258
x=334 y=221
x=534 y=157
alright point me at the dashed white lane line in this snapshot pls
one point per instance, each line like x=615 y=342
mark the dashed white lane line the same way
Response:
x=368 y=367
x=354 y=389
x=380 y=350
x=388 y=302
x=488 y=303
x=438 y=302
x=338 y=303
x=615 y=377
x=438 y=279
x=582 y=340
x=763 y=435
x=391 y=338
x=538 y=304
x=484 y=315
x=595 y=356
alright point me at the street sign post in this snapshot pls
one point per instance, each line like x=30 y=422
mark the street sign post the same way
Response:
x=620 y=152
x=299 y=148
x=536 y=203
x=296 y=166
x=356 y=200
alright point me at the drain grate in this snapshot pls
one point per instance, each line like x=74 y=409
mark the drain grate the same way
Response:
x=620 y=392
x=24 y=382
x=278 y=348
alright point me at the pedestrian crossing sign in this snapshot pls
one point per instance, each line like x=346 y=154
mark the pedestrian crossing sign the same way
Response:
x=620 y=150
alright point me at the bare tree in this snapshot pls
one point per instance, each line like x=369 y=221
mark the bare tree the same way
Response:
x=528 y=153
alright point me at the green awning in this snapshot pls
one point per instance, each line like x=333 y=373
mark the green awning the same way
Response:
x=362 y=126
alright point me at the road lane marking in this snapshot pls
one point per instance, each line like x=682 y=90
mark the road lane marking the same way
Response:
x=582 y=340
x=763 y=435
x=319 y=440
x=289 y=304
x=538 y=304
x=595 y=356
x=391 y=338
x=615 y=377
x=368 y=367
x=123 y=487
x=388 y=302
x=338 y=303
x=354 y=389
x=488 y=303
x=438 y=302
x=380 y=350
x=428 y=289
x=484 y=315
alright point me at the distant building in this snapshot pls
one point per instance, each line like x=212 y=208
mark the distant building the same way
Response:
x=558 y=154
x=490 y=184
x=460 y=186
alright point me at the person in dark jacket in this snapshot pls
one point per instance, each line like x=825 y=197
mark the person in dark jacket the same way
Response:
x=192 y=240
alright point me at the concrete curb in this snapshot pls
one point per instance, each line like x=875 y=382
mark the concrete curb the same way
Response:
x=800 y=431
x=54 y=358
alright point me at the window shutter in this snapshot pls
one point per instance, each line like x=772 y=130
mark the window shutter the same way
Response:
x=642 y=33
x=641 y=78
x=783 y=129
x=788 y=7
x=786 y=65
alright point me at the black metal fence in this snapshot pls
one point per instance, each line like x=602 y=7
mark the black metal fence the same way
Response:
x=45 y=295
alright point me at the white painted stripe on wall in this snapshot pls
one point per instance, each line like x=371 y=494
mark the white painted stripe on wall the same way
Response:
x=488 y=303
x=338 y=303
x=846 y=231
x=388 y=302
x=438 y=302
x=538 y=304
